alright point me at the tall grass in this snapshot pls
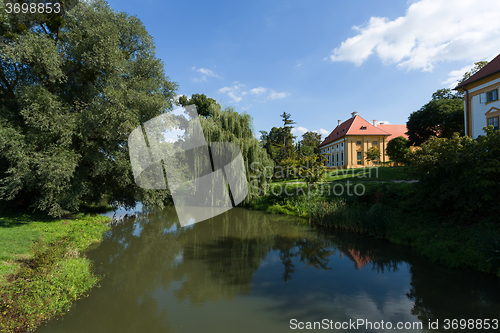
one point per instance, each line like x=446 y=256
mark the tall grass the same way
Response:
x=355 y=217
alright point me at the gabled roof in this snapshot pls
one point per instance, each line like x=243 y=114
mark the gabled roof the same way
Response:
x=353 y=126
x=394 y=130
x=491 y=68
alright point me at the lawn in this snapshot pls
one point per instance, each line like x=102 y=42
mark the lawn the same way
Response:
x=43 y=269
x=381 y=174
x=372 y=174
x=19 y=231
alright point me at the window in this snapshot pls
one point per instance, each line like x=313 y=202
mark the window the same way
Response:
x=374 y=142
x=493 y=121
x=363 y=128
x=359 y=162
x=358 y=142
x=359 y=155
x=492 y=96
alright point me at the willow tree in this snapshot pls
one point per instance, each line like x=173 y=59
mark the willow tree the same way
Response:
x=230 y=126
x=73 y=85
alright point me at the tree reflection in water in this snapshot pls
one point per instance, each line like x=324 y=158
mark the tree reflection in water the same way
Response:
x=217 y=260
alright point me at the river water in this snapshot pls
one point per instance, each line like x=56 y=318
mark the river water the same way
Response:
x=246 y=271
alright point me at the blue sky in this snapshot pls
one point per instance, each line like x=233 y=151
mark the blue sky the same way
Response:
x=319 y=60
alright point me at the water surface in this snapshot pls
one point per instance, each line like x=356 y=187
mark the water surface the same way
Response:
x=245 y=271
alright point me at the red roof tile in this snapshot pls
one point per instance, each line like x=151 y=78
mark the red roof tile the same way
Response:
x=491 y=68
x=353 y=126
x=394 y=130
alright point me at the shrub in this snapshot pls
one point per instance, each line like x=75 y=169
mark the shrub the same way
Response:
x=460 y=174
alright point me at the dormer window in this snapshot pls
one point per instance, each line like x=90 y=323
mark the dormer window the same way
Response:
x=363 y=128
x=338 y=133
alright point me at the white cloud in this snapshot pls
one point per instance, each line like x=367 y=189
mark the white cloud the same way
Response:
x=431 y=31
x=323 y=131
x=201 y=79
x=205 y=72
x=236 y=92
x=299 y=130
x=455 y=76
x=276 y=95
x=258 y=90
x=176 y=98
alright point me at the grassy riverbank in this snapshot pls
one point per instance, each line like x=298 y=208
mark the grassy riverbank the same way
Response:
x=391 y=211
x=42 y=268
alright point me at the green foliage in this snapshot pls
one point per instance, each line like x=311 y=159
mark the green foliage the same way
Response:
x=273 y=143
x=310 y=139
x=393 y=212
x=52 y=273
x=288 y=148
x=73 y=87
x=229 y=126
x=46 y=287
x=305 y=150
x=397 y=149
x=460 y=175
x=477 y=66
x=441 y=117
x=371 y=174
x=445 y=93
x=202 y=102
x=312 y=168
x=372 y=154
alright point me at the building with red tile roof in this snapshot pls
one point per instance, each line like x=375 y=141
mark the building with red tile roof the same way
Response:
x=347 y=144
x=394 y=130
x=482 y=104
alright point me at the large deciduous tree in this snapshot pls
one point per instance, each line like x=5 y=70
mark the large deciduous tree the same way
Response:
x=201 y=101
x=441 y=117
x=309 y=145
x=73 y=85
x=397 y=149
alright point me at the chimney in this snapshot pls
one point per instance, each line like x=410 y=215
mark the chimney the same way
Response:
x=354 y=114
x=340 y=122
x=375 y=122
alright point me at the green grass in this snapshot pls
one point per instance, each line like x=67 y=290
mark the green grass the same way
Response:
x=372 y=174
x=42 y=266
x=19 y=231
x=381 y=174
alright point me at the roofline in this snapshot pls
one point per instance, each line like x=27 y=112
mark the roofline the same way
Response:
x=461 y=86
x=495 y=60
